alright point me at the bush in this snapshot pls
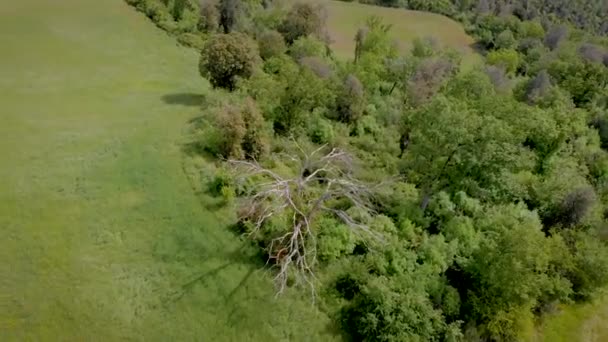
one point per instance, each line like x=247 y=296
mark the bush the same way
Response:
x=231 y=131
x=256 y=142
x=226 y=57
x=424 y=48
x=320 y=130
x=271 y=44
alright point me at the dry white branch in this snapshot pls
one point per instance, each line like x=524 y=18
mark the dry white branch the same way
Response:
x=321 y=178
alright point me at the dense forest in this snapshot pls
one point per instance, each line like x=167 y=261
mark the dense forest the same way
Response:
x=590 y=15
x=411 y=198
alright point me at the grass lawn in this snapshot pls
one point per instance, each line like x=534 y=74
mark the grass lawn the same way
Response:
x=345 y=18
x=101 y=235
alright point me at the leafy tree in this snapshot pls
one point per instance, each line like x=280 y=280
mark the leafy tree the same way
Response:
x=307 y=47
x=428 y=78
x=178 y=9
x=507 y=58
x=317 y=65
x=538 y=87
x=351 y=101
x=208 y=16
x=592 y=53
x=323 y=179
x=555 y=36
x=573 y=208
x=583 y=80
x=302 y=20
x=510 y=271
x=505 y=40
x=271 y=44
x=226 y=57
x=228 y=14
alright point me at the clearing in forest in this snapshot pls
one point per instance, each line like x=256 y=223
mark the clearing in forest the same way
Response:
x=346 y=17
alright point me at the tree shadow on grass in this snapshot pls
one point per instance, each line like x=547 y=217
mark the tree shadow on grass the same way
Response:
x=244 y=255
x=184 y=99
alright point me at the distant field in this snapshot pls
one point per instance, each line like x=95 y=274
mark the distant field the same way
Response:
x=346 y=17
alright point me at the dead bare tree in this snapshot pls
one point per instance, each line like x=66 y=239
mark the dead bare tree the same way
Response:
x=322 y=178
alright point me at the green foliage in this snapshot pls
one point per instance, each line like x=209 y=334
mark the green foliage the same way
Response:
x=307 y=46
x=320 y=130
x=505 y=40
x=226 y=57
x=271 y=44
x=209 y=16
x=351 y=100
x=304 y=19
x=506 y=58
x=583 y=80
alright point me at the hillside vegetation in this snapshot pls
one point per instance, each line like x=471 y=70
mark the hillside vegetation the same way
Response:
x=261 y=186
x=412 y=198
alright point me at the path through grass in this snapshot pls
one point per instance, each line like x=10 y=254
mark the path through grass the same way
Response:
x=101 y=235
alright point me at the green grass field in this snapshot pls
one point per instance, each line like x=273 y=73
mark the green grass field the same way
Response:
x=101 y=235
x=345 y=18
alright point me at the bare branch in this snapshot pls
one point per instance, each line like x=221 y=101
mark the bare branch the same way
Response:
x=322 y=179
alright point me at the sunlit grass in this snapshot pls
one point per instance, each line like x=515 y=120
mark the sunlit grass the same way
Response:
x=102 y=237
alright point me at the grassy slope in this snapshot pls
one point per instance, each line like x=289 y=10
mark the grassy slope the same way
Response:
x=346 y=17
x=99 y=227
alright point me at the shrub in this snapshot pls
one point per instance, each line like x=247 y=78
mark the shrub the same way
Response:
x=320 y=130
x=226 y=57
x=424 y=48
x=271 y=44
x=231 y=131
x=302 y=20
x=255 y=142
